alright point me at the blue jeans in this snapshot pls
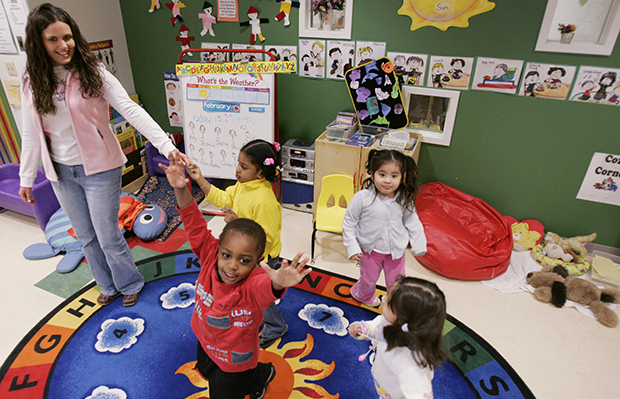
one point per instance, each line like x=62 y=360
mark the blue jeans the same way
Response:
x=275 y=325
x=91 y=204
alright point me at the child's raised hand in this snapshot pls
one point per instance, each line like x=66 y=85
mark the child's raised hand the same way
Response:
x=229 y=215
x=175 y=172
x=193 y=171
x=288 y=275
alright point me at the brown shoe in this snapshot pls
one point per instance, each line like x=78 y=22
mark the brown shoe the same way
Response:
x=105 y=299
x=130 y=300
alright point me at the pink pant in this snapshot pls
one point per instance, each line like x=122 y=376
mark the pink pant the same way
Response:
x=371 y=265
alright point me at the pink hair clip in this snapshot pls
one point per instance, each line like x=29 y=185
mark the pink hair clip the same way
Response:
x=277 y=146
x=268 y=161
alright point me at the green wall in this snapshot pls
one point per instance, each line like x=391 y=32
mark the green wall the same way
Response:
x=525 y=156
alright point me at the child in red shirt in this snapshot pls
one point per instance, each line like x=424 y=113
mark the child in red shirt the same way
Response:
x=231 y=292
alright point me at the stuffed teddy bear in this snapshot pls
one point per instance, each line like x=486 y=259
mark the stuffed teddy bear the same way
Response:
x=571 y=245
x=525 y=234
x=553 y=285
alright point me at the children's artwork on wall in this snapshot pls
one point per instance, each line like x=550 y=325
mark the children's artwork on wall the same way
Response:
x=174 y=97
x=185 y=39
x=546 y=80
x=368 y=51
x=285 y=11
x=410 y=68
x=340 y=56
x=498 y=75
x=208 y=20
x=154 y=4
x=214 y=56
x=376 y=95
x=104 y=51
x=247 y=57
x=255 y=22
x=312 y=58
x=228 y=10
x=597 y=85
x=601 y=181
x=443 y=14
x=449 y=72
x=175 y=7
x=284 y=53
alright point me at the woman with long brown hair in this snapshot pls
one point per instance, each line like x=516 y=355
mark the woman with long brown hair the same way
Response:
x=66 y=124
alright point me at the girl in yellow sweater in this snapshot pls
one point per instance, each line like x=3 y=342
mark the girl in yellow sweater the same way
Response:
x=252 y=197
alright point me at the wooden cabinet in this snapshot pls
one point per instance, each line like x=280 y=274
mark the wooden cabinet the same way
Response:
x=337 y=157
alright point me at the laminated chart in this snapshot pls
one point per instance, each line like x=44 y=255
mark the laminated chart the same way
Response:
x=221 y=113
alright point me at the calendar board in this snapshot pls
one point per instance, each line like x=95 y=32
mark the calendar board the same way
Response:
x=221 y=113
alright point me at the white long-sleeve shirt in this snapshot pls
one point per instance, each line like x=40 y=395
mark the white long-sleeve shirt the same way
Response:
x=367 y=216
x=395 y=372
x=115 y=95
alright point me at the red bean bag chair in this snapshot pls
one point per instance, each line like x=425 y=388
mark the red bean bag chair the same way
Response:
x=467 y=239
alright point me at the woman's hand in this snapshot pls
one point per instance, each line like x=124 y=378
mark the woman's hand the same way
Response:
x=25 y=193
x=184 y=158
x=288 y=275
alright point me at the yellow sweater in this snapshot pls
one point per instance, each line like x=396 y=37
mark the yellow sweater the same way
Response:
x=254 y=200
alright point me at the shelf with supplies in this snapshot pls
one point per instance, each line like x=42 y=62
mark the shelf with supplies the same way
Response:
x=335 y=156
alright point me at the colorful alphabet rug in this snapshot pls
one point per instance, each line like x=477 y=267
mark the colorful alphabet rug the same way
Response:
x=84 y=351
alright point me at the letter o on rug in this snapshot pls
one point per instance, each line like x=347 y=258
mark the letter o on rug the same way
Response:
x=467 y=238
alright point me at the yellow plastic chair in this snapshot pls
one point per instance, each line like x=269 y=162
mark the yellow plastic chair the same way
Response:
x=336 y=192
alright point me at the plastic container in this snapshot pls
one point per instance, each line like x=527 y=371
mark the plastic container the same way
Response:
x=611 y=281
x=340 y=132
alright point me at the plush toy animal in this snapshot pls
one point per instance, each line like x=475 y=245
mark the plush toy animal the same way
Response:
x=555 y=251
x=571 y=244
x=146 y=221
x=525 y=234
x=552 y=285
x=60 y=238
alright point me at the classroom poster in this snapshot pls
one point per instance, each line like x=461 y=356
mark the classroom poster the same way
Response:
x=7 y=44
x=410 y=68
x=500 y=75
x=104 y=50
x=601 y=181
x=368 y=51
x=221 y=113
x=598 y=85
x=312 y=58
x=284 y=53
x=214 y=56
x=173 y=98
x=228 y=10
x=247 y=57
x=546 y=80
x=340 y=56
x=449 y=72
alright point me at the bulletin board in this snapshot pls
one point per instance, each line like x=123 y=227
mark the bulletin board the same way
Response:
x=221 y=113
x=375 y=94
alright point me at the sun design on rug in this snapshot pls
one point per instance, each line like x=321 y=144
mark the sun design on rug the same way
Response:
x=291 y=372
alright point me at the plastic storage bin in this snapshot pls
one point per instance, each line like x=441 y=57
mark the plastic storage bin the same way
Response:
x=340 y=132
x=613 y=279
